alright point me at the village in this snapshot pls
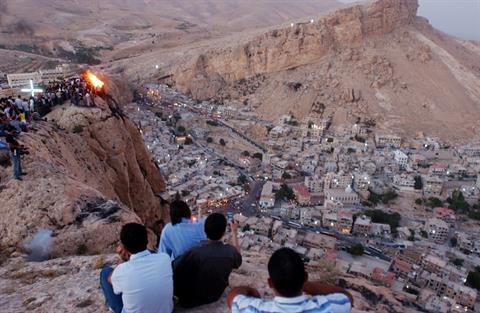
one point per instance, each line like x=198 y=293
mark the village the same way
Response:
x=399 y=213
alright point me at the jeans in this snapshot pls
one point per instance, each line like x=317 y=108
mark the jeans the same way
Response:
x=114 y=301
x=17 y=164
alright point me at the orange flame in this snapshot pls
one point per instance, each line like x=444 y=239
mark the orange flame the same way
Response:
x=94 y=80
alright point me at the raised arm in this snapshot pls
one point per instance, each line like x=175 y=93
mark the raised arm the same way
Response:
x=234 y=229
x=323 y=289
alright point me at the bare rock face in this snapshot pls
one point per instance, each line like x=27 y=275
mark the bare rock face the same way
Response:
x=88 y=174
x=289 y=47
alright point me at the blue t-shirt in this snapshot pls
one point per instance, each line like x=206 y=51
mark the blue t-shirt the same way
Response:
x=178 y=239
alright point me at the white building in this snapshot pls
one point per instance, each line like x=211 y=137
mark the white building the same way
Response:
x=347 y=197
x=404 y=182
x=437 y=230
x=401 y=159
x=267 y=197
x=382 y=140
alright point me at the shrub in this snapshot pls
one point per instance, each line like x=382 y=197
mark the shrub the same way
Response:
x=77 y=129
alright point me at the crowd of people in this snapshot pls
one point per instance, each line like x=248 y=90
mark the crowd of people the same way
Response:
x=16 y=114
x=192 y=268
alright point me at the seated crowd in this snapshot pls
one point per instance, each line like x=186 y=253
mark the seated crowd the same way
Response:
x=193 y=266
x=17 y=114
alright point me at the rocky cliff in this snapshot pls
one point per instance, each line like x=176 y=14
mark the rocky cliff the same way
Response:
x=291 y=46
x=88 y=173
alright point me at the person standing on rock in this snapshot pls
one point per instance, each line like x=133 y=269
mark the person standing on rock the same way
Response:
x=143 y=283
x=201 y=275
x=15 y=154
x=293 y=292
x=181 y=234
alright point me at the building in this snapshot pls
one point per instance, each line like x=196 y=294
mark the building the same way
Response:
x=437 y=230
x=412 y=255
x=347 y=197
x=401 y=268
x=400 y=158
x=319 y=241
x=433 y=264
x=404 y=182
x=382 y=277
x=461 y=294
x=381 y=230
x=314 y=184
x=22 y=80
x=432 y=185
x=302 y=194
x=337 y=180
x=382 y=140
x=445 y=214
x=267 y=197
x=341 y=221
x=362 y=226
x=361 y=182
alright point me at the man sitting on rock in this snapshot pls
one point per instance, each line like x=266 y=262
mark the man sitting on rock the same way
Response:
x=181 y=234
x=143 y=283
x=201 y=275
x=293 y=292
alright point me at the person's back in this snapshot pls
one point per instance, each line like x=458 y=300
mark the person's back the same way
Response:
x=145 y=283
x=293 y=292
x=201 y=274
x=181 y=234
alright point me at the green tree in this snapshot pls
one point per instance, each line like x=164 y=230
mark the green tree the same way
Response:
x=286 y=175
x=258 y=155
x=473 y=279
x=418 y=183
x=423 y=233
x=209 y=140
x=379 y=216
x=356 y=249
x=458 y=202
x=418 y=201
x=246 y=153
x=222 y=142
x=284 y=192
x=453 y=241
x=181 y=129
x=434 y=202
x=242 y=179
x=458 y=262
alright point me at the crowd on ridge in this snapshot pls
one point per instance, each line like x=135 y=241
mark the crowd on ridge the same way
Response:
x=192 y=268
x=16 y=114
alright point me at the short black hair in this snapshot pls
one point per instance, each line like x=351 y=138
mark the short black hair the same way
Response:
x=287 y=272
x=134 y=237
x=178 y=210
x=215 y=226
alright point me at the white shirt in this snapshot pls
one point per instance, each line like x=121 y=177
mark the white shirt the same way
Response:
x=333 y=303
x=145 y=282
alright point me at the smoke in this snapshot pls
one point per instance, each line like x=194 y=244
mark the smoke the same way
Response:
x=22 y=28
x=40 y=246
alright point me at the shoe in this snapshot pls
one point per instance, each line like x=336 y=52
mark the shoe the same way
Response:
x=23 y=174
x=18 y=178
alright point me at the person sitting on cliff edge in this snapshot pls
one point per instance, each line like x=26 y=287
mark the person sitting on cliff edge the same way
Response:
x=181 y=234
x=293 y=292
x=143 y=283
x=201 y=275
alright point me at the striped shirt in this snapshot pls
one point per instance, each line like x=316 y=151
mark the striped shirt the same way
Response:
x=334 y=303
x=179 y=238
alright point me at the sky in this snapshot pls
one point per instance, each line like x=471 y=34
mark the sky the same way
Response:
x=459 y=18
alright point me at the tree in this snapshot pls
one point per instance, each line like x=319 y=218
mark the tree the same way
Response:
x=284 y=192
x=356 y=249
x=188 y=141
x=473 y=279
x=434 y=202
x=423 y=233
x=379 y=216
x=242 y=179
x=418 y=183
x=418 y=201
x=222 y=142
x=458 y=262
x=453 y=241
x=209 y=140
x=458 y=202
x=181 y=129
x=412 y=235
x=286 y=175
x=360 y=139
x=246 y=153
x=258 y=155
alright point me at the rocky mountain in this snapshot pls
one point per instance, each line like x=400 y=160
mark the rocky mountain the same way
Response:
x=88 y=173
x=376 y=60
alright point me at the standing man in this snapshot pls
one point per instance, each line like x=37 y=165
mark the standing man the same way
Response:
x=143 y=282
x=201 y=274
x=15 y=152
x=293 y=292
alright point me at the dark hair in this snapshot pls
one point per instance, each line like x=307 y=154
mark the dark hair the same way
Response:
x=287 y=272
x=215 y=226
x=178 y=210
x=134 y=237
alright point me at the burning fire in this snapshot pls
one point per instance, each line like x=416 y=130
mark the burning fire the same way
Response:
x=94 y=80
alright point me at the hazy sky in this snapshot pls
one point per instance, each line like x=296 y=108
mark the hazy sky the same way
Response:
x=460 y=18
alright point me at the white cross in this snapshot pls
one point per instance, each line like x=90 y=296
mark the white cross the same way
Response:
x=32 y=90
